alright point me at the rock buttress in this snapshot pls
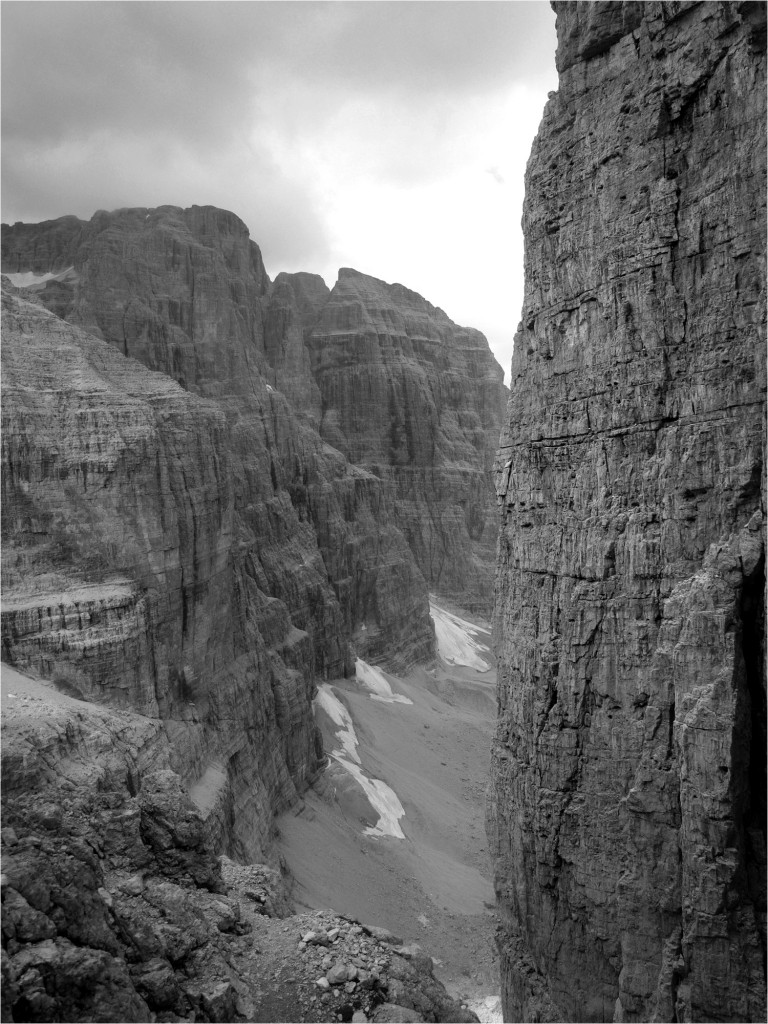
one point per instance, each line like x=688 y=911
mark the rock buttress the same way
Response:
x=185 y=292
x=417 y=401
x=121 y=575
x=627 y=810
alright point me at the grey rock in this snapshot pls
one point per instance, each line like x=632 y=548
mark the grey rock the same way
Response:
x=628 y=775
x=339 y=973
x=391 y=1013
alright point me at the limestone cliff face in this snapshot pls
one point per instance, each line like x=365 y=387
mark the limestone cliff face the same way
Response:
x=178 y=537
x=123 y=577
x=417 y=401
x=628 y=797
x=185 y=292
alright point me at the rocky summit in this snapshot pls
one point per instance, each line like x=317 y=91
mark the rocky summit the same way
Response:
x=199 y=524
x=628 y=811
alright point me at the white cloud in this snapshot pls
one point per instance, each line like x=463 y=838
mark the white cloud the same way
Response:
x=451 y=231
x=391 y=137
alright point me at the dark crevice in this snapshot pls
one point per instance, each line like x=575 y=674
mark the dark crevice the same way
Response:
x=754 y=821
x=671 y=732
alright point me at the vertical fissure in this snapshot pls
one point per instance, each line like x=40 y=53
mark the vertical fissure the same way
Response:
x=753 y=649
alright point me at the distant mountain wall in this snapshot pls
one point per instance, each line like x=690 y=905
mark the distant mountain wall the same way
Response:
x=196 y=542
x=416 y=400
x=627 y=814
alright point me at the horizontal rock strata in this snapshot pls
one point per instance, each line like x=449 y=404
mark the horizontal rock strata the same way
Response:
x=120 y=573
x=180 y=535
x=628 y=799
x=417 y=401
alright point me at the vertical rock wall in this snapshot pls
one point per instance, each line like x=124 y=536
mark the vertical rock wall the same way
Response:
x=418 y=401
x=184 y=542
x=121 y=572
x=627 y=809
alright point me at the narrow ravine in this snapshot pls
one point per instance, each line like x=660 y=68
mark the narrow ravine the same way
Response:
x=393 y=834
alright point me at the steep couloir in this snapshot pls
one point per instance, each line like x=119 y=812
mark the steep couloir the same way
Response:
x=627 y=812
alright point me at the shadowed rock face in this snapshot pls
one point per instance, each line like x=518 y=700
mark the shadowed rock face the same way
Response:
x=418 y=401
x=628 y=798
x=123 y=578
x=117 y=908
x=184 y=542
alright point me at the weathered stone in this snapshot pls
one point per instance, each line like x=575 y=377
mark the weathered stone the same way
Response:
x=174 y=831
x=87 y=983
x=391 y=1013
x=220 y=1002
x=156 y=982
x=627 y=812
x=22 y=922
x=183 y=545
x=339 y=973
x=382 y=934
x=417 y=400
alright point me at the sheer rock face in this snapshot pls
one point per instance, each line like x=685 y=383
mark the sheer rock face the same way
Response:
x=417 y=401
x=184 y=542
x=122 y=577
x=627 y=810
x=185 y=292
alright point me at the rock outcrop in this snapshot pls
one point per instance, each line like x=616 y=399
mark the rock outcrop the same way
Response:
x=627 y=813
x=179 y=538
x=185 y=544
x=417 y=401
x=115 y=907
x=123 y=576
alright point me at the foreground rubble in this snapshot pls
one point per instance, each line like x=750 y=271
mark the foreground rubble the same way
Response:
x=115 y=907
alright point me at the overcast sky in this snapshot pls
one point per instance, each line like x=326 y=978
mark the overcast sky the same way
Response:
x=390 y=137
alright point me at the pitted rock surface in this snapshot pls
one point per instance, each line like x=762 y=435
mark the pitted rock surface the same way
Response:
x=627 y=812
x=418 y=401
x=184 y=557
x=116 y=908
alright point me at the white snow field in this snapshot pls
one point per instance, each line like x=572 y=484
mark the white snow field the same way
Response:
x=28 y=279
x=373 y=679
x=339 y=715
x=488 y=1009
x=382 y=799
x=455 y=643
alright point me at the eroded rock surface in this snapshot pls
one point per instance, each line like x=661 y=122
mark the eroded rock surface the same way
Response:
x=182 y=545
x=344 y=544
x=418 y=401
x=116 y=908
x=123 y=578
x=628 y=800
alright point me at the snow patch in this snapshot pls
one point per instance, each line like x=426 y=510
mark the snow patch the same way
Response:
x=208 y=788
x=373 y=679
x=339 y=715
x=455 y=643
x=488 y=1009
x=29 y=278
x=382 y=799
